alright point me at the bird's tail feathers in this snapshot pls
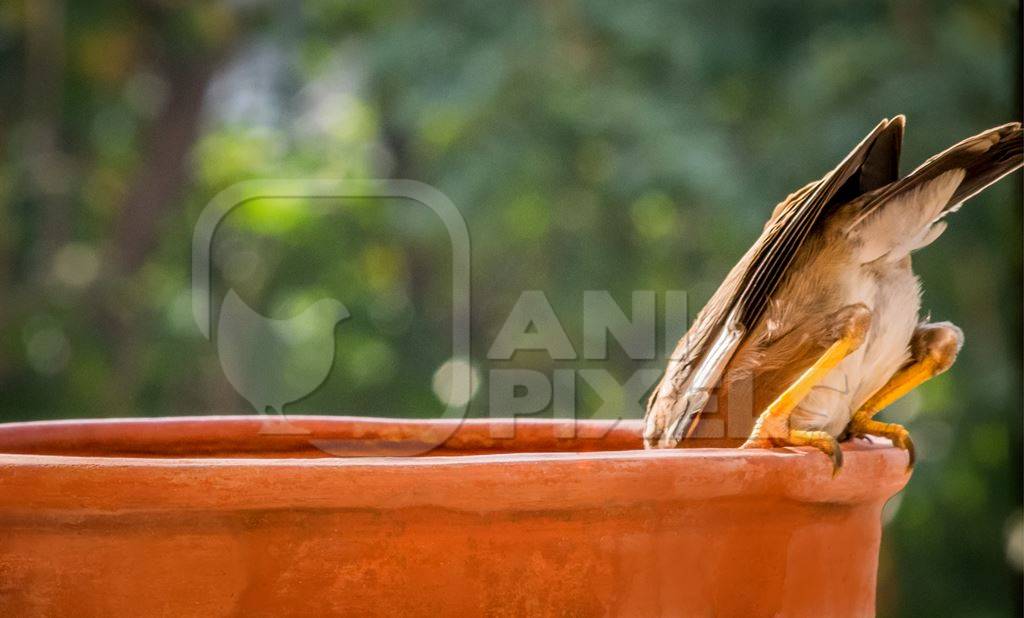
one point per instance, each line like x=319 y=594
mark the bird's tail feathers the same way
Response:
x=907 y=214
x=985 y=158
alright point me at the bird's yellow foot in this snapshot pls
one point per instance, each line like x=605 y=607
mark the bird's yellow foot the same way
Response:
x=772 y=427
x=862 y=425
x=933 y=349
x=820 y=440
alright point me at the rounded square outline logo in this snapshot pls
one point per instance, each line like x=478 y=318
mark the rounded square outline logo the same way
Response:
x=246 y=191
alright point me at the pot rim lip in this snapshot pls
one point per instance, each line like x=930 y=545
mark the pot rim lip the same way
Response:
x=627 y=428
x=31 y=484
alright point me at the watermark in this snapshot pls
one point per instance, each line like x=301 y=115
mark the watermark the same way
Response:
x=256 y=352
x=648 y=333
x=273 y=362
x=532 y=326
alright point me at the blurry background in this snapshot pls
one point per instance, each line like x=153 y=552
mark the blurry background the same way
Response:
x=604 y=145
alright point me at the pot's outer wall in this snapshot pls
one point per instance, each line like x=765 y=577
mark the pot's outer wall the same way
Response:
x=703 y=532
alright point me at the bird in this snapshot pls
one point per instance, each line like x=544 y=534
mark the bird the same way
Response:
x=272 y=362
x=817 y=328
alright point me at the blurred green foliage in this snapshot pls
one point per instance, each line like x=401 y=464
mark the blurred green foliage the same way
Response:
x=600 y=145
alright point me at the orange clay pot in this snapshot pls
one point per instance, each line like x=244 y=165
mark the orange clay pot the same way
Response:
x=221 y=517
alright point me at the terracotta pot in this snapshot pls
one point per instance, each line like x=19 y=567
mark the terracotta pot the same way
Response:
x=218 y=517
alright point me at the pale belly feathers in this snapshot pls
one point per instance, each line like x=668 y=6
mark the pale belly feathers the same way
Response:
x=892 y=293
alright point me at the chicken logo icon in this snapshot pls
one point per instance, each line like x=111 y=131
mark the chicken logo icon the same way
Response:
x=272 y=362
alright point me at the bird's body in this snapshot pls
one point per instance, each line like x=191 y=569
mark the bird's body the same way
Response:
x=819 y=321
x=782 y=345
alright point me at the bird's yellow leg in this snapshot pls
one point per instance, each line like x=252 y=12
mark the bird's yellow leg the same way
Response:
x=772 y=427
x=933 y=349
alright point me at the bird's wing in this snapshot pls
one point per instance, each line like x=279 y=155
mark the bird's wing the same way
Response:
x=703 y=353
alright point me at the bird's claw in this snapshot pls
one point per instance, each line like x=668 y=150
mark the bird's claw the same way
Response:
x=897 y=434
x=835 y=455
x=908 y=445
x=900 y=438
x=818 y=439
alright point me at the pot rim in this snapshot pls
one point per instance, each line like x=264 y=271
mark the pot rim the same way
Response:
x=478 y=481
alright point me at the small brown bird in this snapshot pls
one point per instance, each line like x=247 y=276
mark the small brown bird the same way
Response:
x=817 y=327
